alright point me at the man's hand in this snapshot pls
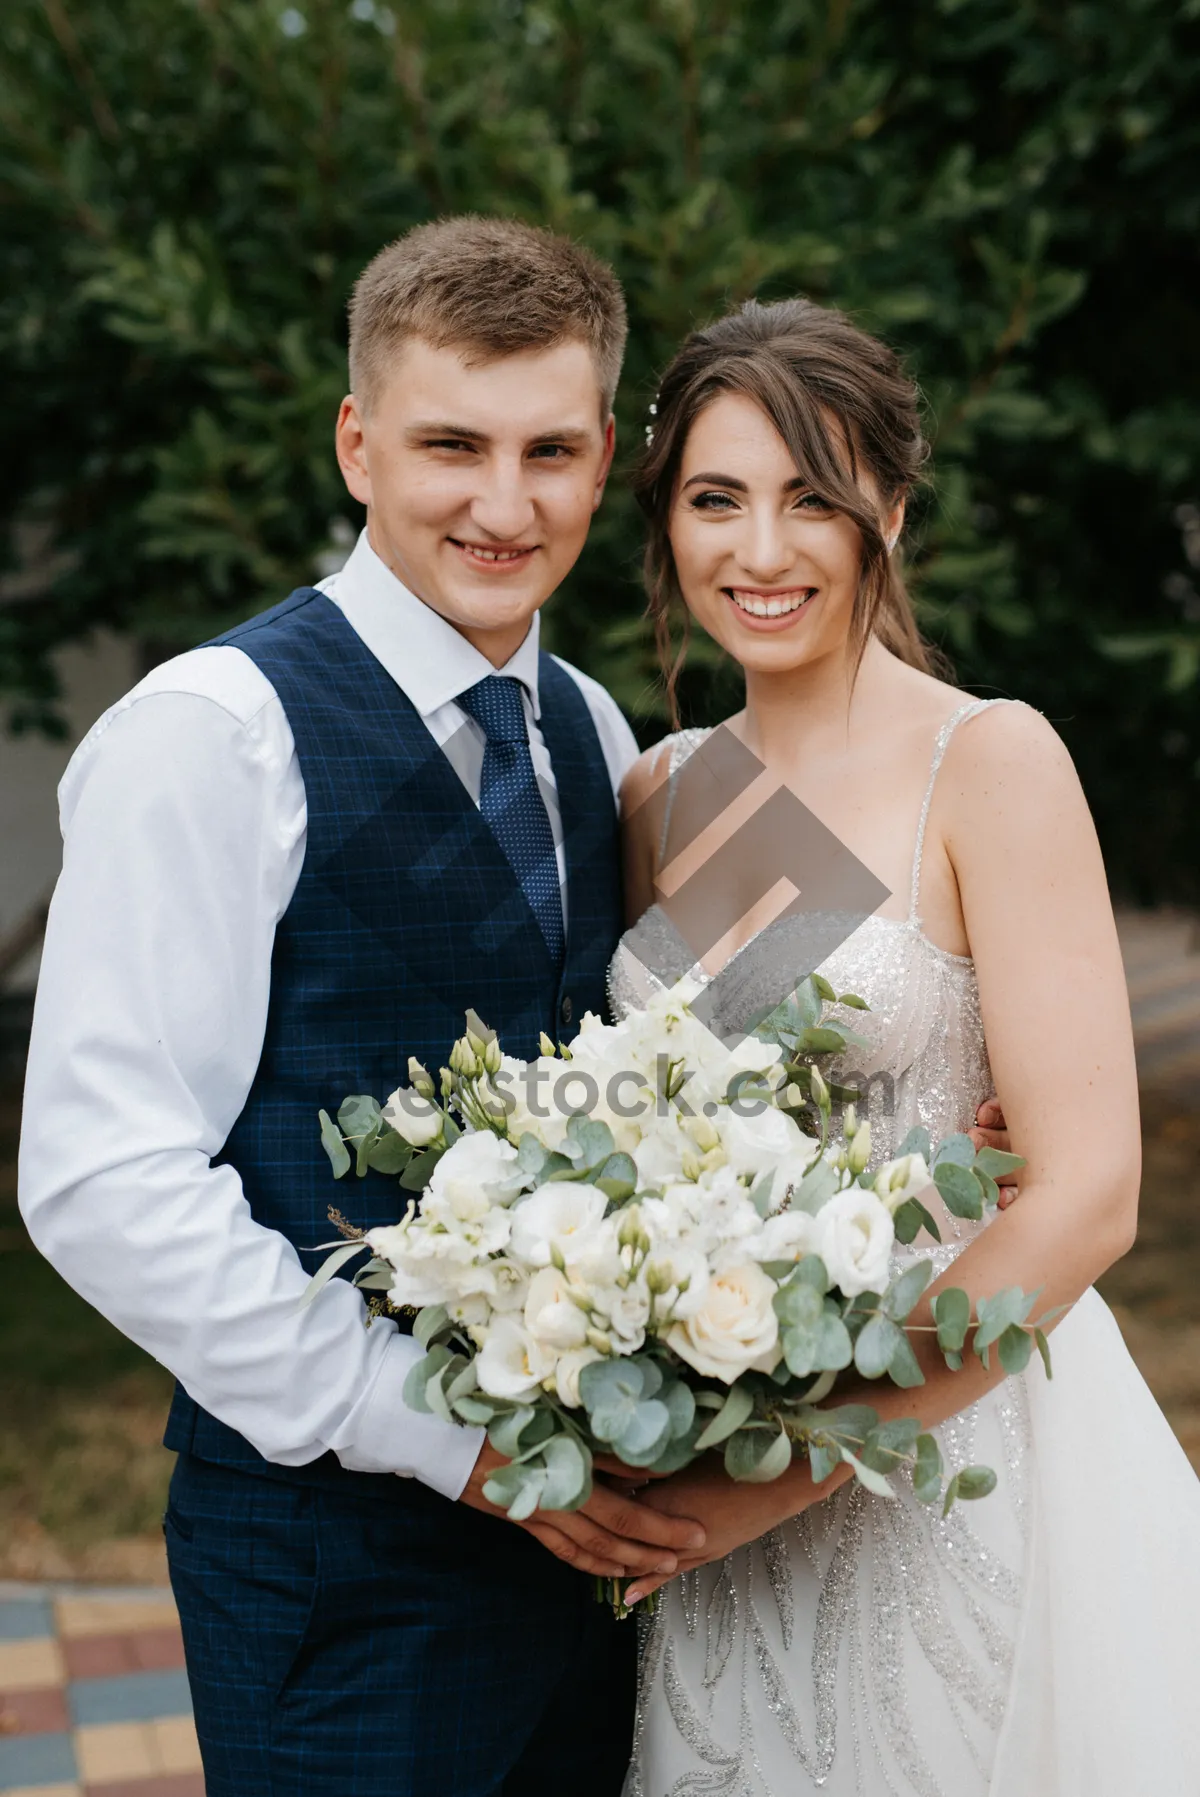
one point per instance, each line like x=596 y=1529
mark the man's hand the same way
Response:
x=991 y=1131
x=611 y=1535
x=731 y=1513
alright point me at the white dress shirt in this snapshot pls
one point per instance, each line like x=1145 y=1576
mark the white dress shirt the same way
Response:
x=183 y=821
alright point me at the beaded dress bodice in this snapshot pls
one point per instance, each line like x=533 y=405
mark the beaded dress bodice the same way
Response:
x=925 y=1061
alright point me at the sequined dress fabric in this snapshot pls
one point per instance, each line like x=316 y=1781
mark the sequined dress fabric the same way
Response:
x=869 y=1648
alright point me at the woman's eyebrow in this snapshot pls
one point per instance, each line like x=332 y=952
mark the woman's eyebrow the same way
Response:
x=739 y=486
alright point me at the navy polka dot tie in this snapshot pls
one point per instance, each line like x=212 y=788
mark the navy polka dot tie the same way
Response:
x=512 y=803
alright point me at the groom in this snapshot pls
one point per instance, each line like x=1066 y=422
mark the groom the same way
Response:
x=293 y=858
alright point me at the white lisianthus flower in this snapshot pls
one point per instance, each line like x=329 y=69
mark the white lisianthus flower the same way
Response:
x=788 y=1236
x=854 y=1239
x=663 y=1151
x=624 y=1312
x=471 y=1167
x=523 y=1091
x=677 y=1273
x=560 y=1216
x=551 y=1315
x=761 y=1143
x=505 y=1283
x=735 y=1330
x=417 y=1119
x=566 y=1374
x=898 y=1181
x=511 y=1364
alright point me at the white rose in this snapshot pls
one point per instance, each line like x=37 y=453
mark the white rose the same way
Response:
x=854 y=1239
x=566 y=1374
x=735 y=1329
x=511 y=1364
x=898 y=1181
x=561 y=1216
x=417 y=1119
x=789 y=1236
x=551 y=1315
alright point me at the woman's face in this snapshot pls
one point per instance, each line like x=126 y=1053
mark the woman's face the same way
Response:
x=765 y=566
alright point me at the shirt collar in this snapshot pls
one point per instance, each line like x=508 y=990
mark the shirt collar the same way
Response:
x=427 y=657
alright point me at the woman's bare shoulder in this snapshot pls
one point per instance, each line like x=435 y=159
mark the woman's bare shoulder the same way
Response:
x=653 y=767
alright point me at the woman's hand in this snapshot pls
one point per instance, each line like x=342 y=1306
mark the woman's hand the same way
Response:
x=730 y=1513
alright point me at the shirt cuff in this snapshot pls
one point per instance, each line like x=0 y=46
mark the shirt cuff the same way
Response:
x=391 y=1438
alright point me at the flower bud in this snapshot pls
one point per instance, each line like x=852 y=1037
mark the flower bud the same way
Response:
x=629 y=1231
x=491 y=1056
x=793 y=1096
x=850 y=1122
x=704 y=1132
x=598 y=1340
x=447 y=1082
x=860 y=1150
x=820 y=1090
x=418 y=1077
x=545 y=1045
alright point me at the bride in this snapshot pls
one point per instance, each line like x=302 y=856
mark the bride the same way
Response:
x=1043 y=1642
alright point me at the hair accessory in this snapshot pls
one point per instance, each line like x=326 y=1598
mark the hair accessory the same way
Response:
x=653 y=410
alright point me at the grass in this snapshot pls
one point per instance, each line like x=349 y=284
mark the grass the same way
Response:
x=83 y=1476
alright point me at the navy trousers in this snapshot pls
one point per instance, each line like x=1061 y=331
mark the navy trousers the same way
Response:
x=341 y=1644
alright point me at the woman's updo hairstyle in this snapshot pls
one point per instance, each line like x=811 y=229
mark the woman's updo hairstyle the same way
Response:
x=805 y=365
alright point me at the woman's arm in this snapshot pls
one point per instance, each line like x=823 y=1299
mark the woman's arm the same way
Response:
x=1056 y=1017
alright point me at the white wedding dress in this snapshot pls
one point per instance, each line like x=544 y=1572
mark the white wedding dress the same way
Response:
x=1041 y=1642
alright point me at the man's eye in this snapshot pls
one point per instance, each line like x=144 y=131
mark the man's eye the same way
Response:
x=448 y=443
x=550 y=452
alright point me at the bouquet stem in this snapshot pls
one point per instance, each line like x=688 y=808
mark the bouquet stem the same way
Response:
x=612 y=1591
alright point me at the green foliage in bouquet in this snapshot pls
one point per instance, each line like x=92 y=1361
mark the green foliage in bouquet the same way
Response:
x=649 y=1397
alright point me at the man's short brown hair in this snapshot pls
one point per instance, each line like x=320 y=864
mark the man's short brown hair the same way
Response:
x=490 y=287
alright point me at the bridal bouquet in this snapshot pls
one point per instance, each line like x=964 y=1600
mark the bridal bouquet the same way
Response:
x=651 y=1244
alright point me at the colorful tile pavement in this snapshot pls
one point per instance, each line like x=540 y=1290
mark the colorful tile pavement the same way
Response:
x=93 y=1696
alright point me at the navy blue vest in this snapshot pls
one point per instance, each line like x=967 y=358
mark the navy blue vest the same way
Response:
x=406 y=912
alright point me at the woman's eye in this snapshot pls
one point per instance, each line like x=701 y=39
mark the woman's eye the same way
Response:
x=812 y=502
x=713 y=502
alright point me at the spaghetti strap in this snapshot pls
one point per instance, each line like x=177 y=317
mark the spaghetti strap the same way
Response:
x=970 y=710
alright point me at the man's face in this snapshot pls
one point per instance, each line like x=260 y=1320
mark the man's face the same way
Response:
x=480 y=481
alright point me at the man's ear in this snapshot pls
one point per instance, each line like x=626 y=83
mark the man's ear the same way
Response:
x=606 y=461
x=351 y=443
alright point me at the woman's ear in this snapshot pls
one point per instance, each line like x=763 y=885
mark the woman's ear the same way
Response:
x=894 y=525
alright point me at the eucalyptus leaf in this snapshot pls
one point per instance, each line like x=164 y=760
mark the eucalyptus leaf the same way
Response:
x=816 y=1188
x=975 y=1482
x=959 y=1190
x=875 y=1347
x=430 y=1322
x=476 y=1411
x=906 y=1221
x=617 y=1177
x=854 y=1002
x=905 y=1369
x=568 y=1474
x=1014 y=1347
x=366 y=1143
x=887 y=1446
x=335 y=1148
x=1043 y=1348
x=358 y=1113
x=821 y=1040
x=736 y=1410
x=419 y=1171
x=952 y=1314
x=867 y=1475
x=506 y=1432
x=927 y=1470
x=916 y=1142
x=995 y=1163
x=822 y=988
x=334 y=1260
x=821 y=1460
x=681 y=1407
x=645 y=1434
x=1011 y=1305
x=755 y=1457
x=389 y=1153
x=904 y=1292
x=988 y=1186
x=956 y=1150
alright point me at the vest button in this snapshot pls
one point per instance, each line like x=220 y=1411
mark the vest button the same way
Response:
x=567 y=1009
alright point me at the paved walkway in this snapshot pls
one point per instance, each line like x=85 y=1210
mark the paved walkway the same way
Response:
x=93 y=1695
x=1162 y=965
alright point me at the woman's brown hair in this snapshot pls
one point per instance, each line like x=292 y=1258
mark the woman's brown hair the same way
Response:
x=805 y=365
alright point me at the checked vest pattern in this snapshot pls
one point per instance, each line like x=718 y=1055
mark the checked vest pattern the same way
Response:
x=408 y=910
